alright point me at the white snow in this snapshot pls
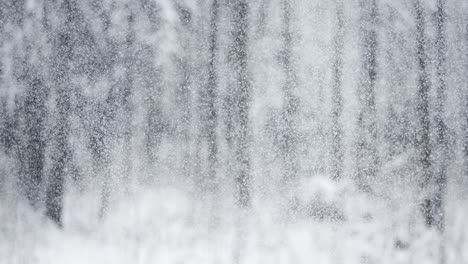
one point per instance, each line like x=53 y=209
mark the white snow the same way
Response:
x=170 y=225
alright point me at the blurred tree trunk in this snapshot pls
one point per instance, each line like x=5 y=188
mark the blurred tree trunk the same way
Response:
x=35 y=111
x=119 y=101
x=62 y=59
x=241 y=102
x=154 y=119
x=367 y=153
x=8 y=127
x=101 y=131
x=100 y=144
x=209 y=97
x=129 y=61
x=465 y=89
x=423 y=140
x=290 y=101
x=337 y=96
x=261 y=24
x=184 y=100
x=441 y=129
x=154 y=122
x=184 y=62
x=33 y=108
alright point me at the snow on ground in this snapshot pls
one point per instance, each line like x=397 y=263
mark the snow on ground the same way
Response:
x=171 y=225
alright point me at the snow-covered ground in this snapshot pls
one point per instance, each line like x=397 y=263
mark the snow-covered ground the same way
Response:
x=166 y=224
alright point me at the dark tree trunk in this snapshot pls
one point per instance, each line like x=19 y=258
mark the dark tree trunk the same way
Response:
x=33 y=110
x=337 y=96
x=35 y=115
x=8 y=135
x=367 y=153
x=209 y=98
x=465 y=89
x=440 y=172
x=241 y=102
x=423 y=140
x=55 y=188
x=63 y=47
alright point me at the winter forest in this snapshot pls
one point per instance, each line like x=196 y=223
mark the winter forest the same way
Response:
x=233 y=131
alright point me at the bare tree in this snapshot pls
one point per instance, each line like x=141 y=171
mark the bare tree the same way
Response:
x=184 y=94
x=241 y=101
x=423 y=140
x=35 y=114
x=440 y=169
x=127 y=92
x=337 y=96
x=154 y=122
x=118 y=101
x=32 y=107
x=465 y=110
x=209 y=97
x=290 y=104
x=367 y=154
x=61 y=67
x=154 y=119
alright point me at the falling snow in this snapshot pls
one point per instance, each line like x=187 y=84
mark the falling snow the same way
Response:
x=263 y=131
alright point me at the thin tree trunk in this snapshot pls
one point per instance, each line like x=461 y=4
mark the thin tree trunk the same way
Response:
x=127 y=105
x=101 y=143
x=337 y=96
x=154 y=122
x=154 y=127
x=34 y=111
x=211 y=95
x=423 y=134
x=290 y=105
x=438 y=212
x=441 y=128
x=465 y=89
x=35 y=115
x=61 y=156
x=122 y=99
x=241 y=102
x=367 y=154
x=423 y=139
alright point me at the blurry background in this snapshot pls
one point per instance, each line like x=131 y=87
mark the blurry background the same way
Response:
x=233 y=131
